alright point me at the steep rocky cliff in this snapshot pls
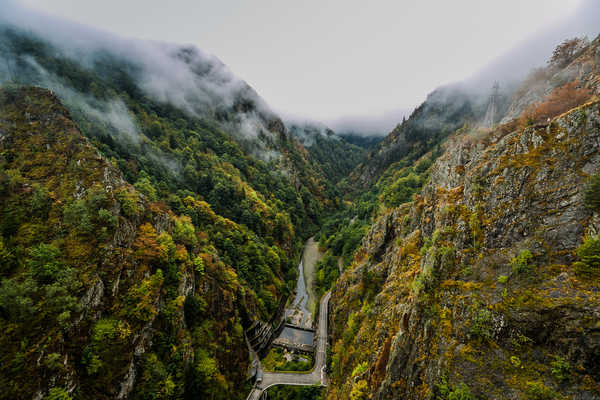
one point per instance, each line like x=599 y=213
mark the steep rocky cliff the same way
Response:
x=473 y=289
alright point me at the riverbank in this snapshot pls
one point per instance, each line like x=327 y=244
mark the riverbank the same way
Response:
x=309 y=260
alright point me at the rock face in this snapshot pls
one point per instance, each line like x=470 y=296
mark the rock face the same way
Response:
x=472 y=288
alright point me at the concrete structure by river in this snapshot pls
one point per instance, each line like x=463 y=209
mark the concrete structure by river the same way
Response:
x=301 y=337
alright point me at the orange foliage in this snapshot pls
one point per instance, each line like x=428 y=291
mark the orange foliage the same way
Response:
x=382 y=361
x=146 y=243
x=560 y=100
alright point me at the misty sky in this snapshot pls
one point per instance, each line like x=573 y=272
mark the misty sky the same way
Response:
x=328 y=59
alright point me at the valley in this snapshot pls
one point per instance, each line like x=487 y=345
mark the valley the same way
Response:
x=166 y=234
x=299 y=333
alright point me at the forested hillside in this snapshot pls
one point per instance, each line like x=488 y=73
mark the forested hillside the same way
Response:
x=332 y=153
x=132 y=259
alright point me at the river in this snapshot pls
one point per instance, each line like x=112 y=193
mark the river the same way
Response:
x=301 y=311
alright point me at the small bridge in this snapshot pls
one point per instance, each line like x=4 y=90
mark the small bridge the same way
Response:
x=297 y=347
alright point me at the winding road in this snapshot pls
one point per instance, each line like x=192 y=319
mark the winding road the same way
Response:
x=316 y=377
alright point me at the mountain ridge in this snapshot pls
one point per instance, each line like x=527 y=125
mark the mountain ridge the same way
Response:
x=480 y=286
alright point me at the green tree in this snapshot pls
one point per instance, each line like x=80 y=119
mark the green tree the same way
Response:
x=44 y=262
x=15 y=299
x=40 y=201
x=76 y=215
x=522 y=263
x=144 y=186
x=589 y=256
x=6 y=257
x=592 y=193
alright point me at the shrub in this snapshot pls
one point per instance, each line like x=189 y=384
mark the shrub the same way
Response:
x=92 y=363
x=560 y=100
x=58 y=393
x=53 y=362
x=539 y=391
x=589 y=256
x=515 y=361
x=360 y=369
x=359 y=391
x=560 y=368
x=105 y=331
x=502 y=279
x=480 y=325
x=522 y=263
x=449 y=392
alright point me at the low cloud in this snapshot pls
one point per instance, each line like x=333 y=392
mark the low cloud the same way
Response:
x=191 y=80
x=375 y=125
x=534 y=51
x=184 y=76
x=113 y=112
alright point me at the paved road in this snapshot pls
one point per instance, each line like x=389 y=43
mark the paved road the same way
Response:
x=316 y=377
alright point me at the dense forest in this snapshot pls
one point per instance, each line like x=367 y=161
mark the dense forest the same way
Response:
x=165 y=229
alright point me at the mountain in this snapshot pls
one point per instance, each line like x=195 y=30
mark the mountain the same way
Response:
x=101 y=286
x=333 y=153
x=444 y=111
x=153 y=207
x=366 y=142
x=484 y=284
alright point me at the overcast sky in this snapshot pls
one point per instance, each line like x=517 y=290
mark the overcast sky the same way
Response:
x=326 y=59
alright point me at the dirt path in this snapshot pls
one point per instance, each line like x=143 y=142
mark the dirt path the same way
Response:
x=310 y=257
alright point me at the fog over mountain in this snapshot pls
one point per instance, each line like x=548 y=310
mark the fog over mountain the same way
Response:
x=184 y=76
x=372 y=61
x=507 y=69
x=534 y=51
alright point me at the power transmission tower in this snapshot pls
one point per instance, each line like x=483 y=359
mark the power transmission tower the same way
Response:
x=489 y=121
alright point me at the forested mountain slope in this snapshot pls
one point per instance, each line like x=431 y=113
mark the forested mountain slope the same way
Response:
x=336 y=156
x=218 y=142
x=444 y=111
x=485 y=285
x=134 y=256
x=106 y=292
